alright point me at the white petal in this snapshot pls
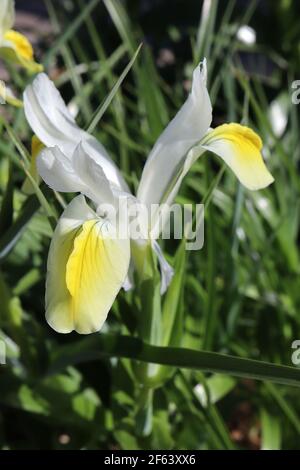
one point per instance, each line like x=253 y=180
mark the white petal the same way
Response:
x=87 y=266
x=240 y=147
x=52 y=122
x=80 y=174
x=95 y=184
x=184 y=131
x=57 y=296
x=57 y=170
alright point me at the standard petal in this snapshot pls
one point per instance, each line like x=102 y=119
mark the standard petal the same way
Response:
x=240 y=147
x=52 y=122
x=49 y=117
x=87 y=266
x=168 y=155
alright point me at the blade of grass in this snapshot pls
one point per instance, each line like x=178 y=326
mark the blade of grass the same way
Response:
x=103 y=107
x=105 y=345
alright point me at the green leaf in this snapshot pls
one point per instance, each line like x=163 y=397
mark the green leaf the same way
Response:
x=216 y=387
x=11 y=237
x=173 y=308
x=271 y=431
x=6 y=212
x=105 y=345
x=103 y=106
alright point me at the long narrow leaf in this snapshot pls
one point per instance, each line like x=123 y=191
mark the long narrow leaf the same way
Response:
x=105 y=345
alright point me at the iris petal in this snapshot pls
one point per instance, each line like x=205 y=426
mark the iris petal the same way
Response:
x=240 y=147
x=87 y=266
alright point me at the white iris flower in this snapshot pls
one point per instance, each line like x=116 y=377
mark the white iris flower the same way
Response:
x=87 y=263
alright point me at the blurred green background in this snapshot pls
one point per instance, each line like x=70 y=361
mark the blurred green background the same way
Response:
x=239 y=295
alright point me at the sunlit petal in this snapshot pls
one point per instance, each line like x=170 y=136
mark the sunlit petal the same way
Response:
x=240 y=147
x=52 y=122
x=79 y=174
x=184 y=131
x=87 y=266
x=57 y=171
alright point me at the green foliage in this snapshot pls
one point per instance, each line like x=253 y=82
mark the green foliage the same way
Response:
x=232 y=310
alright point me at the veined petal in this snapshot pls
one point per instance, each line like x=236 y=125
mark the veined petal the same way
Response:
x=7 y=16
x=186 y=129
x=17 y=49
x=87 y=266
x=52 y=122
x=240 y=147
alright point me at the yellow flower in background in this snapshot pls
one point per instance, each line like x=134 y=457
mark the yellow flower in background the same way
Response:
x=14 y=47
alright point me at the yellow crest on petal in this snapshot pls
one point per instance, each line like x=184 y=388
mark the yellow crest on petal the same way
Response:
x=240 y=147
x=241 y=135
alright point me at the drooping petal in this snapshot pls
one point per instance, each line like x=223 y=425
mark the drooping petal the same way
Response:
x=52 y=122
x=17 y=49
x=87 y=266
x=240 y=147
x=7 y=16
x=58 y=297
x=186 y=129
